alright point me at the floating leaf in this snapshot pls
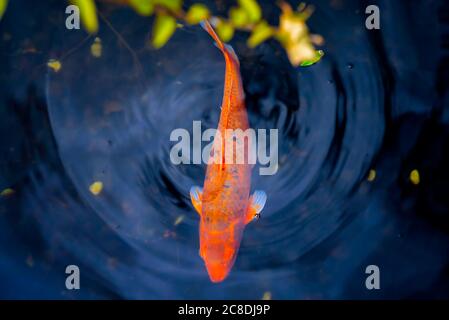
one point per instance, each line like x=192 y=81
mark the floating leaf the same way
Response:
x=225 y=30
x=261 y=32
x=3 y=5
x=239 y=17
x=304 y=11
x=197 y=13
x=371 y=175
x=54 y=64
x=319 y=54
x=252 y=8
x=96 y=187
x=142 y=7
x=179 y=220
x=96 y=48
x=291 y=28
x=88 y=13
x=163 y=29
x=294 y=36
x=266 y=295
x=174 y=5
x=7 y=192
x=415 y=177
x=300 y=51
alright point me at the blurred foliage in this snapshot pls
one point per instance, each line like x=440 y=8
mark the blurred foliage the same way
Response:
x=246 y=15
x=96 y=188
x=96 y=49
x=163 y=28
x=415 y=177
x=55 y=65
x=7 y=192
x=88 y=14
x=3 y=5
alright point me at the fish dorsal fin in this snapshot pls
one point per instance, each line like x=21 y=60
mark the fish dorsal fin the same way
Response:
x=256 y=203
x=196 y=196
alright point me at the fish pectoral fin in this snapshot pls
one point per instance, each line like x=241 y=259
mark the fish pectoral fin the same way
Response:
x=196 y=195
x=256 y=203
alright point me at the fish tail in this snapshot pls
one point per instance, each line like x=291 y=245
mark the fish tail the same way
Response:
x=210 y=30
x=225 y=48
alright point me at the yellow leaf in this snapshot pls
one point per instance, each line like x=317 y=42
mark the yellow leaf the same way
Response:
x=291 y=27
x=179 y=220
x=261 y=32
x=88 y=13
x=54 y=64
x=197 y=12
x=163 y=28
x=143 y=7
x=96 y=48
x=7 y=192
x=294 y=36
x=299 y=52
x=96 y=187
x=225 y=30
x=415 y=177
x=371 y=175
x=238 y=16
x=266 y=295
x=252 y=8
x=3 y=5
x=308 y=62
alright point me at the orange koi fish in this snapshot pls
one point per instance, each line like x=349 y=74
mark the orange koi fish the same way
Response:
x=224 y=204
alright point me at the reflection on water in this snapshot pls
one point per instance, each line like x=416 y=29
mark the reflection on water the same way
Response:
x=369 y=104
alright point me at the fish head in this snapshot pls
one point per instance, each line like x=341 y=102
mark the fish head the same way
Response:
x=218 y=248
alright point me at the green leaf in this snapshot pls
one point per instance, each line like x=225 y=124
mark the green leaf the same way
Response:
x=225 y=30
x=8 y=191
x=174 y=5
x=88 y=14
x=319 y=55
x=261 y=32
x=3 y=5
x=197 y=13
x=142 y=7
x=238 y=16
x=163 y=28
x=252 y=8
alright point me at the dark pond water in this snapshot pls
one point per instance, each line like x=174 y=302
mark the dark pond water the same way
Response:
x=377 y=101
